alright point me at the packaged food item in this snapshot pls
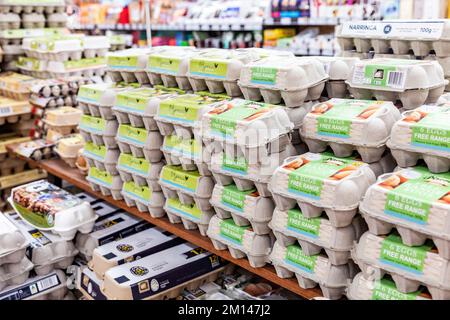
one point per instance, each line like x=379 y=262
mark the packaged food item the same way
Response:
x=140 y=142
x=139 y=170
x=47 y=207
x=409 y=267
x=67 y=148
x=9 y=21
x=49 y=287
x=60 y=48
x=102 y=181
x=90 y=285
x=422 y=133
x=295 y=80
x=16 y=86
x=311 y=270
x=95 y=46
x=98 y=130
x=415 y=202
x=13 y=242
x=144 y=198
x=188 y=186
x=129 y=65
x=315 y=234
x=9 y=139
x=189 y=214
x=86 y=67
x=382 y=289
x=133 y=247
x=241 y=241
x=413 y=82
x=15 y=273
x=320 y=182
x=11 y=111
x=347 y=125
x=158 y=276
x=63 y=116
x=245 y=207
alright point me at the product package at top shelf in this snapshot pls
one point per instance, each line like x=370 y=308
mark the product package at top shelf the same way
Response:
x=48 y=207
x=413 y=82
x=295 y=80
x=400 y=36
x=423 y=133
x=320 y=182
x=347 y=125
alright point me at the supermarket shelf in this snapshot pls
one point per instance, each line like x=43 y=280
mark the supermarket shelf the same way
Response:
x=301 y=22
x=58 y=168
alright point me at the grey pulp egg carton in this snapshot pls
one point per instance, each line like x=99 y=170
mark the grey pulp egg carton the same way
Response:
x=316 y=234
x=47 y=6
x=422 y=133
x=170 y=66
x=414 y=201
x=246 y=176
x=140 y=142
x=54 y=49
x=311 y=271
x=245 y=207
x=320 y=182
x=101 y=157
x=293 y=80
x=182 y=115
x=241 y=241
x=58 y=212
x=86 y=67
x=46 y=251
x=144 y=198
x=409 y=267
x=382 y=289
x=157 y=276
x=246 y=128
x=297 y=116
x=443 y=61
x=112 y=228
x=9 y=21
x=399 y=36
x=13 y=242
x=189 y=153
x=413 y=82
x=138 y=107
x=129 y=248
x=188 y=214
x=99 y=131
x=15 y=273
x=102 y=181
x=218 y=70
x=140 y=171
x=347 y=125
x=89 y=285
x=57 y=20
x=188 y=186
x=48 y=287
x=95 y=46
x=33 y=20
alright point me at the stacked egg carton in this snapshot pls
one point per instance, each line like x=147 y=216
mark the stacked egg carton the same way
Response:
x=412 y=39
x=141 y=159
x=186 y=179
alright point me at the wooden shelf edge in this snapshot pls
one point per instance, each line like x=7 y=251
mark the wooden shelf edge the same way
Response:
x=58 y=168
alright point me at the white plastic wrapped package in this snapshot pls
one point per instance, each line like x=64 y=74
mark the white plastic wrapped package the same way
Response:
x=102 y=181
x=311 y=270
x=13 y=242
x=140 y=142
x=162 y=275
x=245 y=207
x=293 y=80
x=423 y=133
x=99 y=131
x=409 y=267
x=346 y=125
x=413 y=82
x=241 y=241
x=50 y=208
x=315 y=234
x=144 y=198
x=414 y=201
x=320 y=182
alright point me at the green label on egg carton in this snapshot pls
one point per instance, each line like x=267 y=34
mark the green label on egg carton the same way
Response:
x=385 y=289
x=188 y=147
x=308 y=172
x=413 y=192
x=230 y=231
x=101 y=177
x=237 y=165
x=84 y=63
x=94 y=150
x=177 y=177
x=431 y=130
x=90 y=93
x=135 y=135
x=90 y=123
x=189 y=210
x=262 y=75
x=297 y=222
x=138 y=165
x=122 y=61
x=335 y=118
x=25 y=33
x=234 y=198
x=208 y=68
x=29 y=63
x=142 y=192
x=164 y=64
x=296 y=257
x=138 y=99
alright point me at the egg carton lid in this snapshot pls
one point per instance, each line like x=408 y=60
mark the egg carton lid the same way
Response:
x=53 y=45
x=338 y=68
x=11 y=237
x=20 y=268
x=29 y=33
x=10 y=107
x=16 y=82
x=76 y=65
x=170 y=60
x=130 y=59
x=96 y=42
x=101 y=94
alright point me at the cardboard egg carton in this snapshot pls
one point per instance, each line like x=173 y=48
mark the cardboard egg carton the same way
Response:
x=101 y=157
x=11 y=251
x=99 y=131
x=144 y=198
x=40 y=6
x=102 y=181
x=15 y=273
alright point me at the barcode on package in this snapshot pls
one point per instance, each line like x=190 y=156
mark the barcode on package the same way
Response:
x=47 y=283
x=396 y=79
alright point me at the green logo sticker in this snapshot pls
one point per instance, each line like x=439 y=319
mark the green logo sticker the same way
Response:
x=297 y=222
x=262 y=75
x=136 y=165
x=164 y=64
x=143 y=193
x=177 y=177
x=89 y=93
x=190 y=148
x=101 y=177
x=296 y=257
x=122 y=61
x=84 y=63
x=95 y=151
x=432 y=130
x=136 y=135
x=235 y=199
x=191 y=210
x=230 y=231
x=92 y=124
x=386 y=290
x=237 y=165
x=208 y=68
